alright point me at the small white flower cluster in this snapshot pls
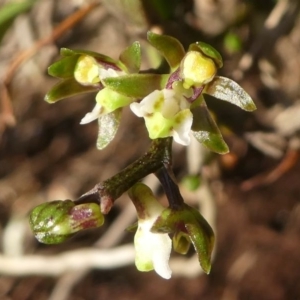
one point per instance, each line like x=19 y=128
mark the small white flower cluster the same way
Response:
x=167 y=111
x=88 y=71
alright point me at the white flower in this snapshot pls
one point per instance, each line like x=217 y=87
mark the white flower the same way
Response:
x=106 y=100
x=152 y=249
x=166 y=113
x=93 y=115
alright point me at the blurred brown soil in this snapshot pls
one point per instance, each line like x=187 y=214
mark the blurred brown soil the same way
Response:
x=48 y=155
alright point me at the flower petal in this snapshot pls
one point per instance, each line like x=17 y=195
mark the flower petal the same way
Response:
x=105 y=73
x=182 y=127
x=161 y=255
x=93 y=115
x=149 y=104
x=152 y=250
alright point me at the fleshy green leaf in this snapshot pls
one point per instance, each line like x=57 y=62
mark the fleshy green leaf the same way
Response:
x=136 y=85
x=202 y=237
x=64 y=68
x=208 y=51
x=206 y=131
x=188 y=222
x=170 y=48
x=67 y=88
x=228 y=90
x=99 y=57
x=108 y=127
x=131 y=57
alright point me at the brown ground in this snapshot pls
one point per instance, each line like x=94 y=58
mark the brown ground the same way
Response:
x=47 y=155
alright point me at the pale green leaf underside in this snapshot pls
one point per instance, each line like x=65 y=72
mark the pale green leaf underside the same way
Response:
x=206 y=131
x=108 y=127
x=228 y=90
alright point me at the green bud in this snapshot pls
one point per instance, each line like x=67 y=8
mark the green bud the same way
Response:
x=54 y=222
x=197 y=69
x=86 y=70
x=181 y=242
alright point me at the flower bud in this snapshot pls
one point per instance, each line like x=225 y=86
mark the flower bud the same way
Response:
x=197 y=69
x=181 y=242
x=86 y=70
x=54 y=222
x=152 y=249
x=208 y=51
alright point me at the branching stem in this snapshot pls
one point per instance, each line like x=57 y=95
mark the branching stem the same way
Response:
x=105 y=193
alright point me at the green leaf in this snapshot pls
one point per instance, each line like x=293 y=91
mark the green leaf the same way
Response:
x=10 y=11
x=202 y=237
x=136 y=85
x=228 y=90
x=67 y=88
x=131 y=57
x=188 y=222
x=170 y=48
x=206 y=131
x=208 y=51
x=64 y=68
x=108 y=127
x=99 y=57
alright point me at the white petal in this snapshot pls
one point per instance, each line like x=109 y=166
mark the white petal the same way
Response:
x=104 y=73
x=152 y=250
x=161 y=255
x=170 y=107
x=148 y=105
x=93 y=115
x=136 y=109
x=181 y=133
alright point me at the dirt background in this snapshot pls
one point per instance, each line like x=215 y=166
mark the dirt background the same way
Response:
x=253 y=192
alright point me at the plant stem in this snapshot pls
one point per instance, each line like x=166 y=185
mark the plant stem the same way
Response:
x=167 y=180
x=108 y=191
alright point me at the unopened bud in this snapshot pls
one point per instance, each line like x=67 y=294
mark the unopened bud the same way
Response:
x=54 y=222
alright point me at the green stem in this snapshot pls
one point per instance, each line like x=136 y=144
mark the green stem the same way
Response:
x=108 y=191
x=147 y=164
